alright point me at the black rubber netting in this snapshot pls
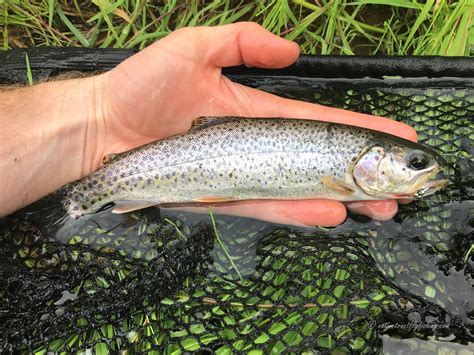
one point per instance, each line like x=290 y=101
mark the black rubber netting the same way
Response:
x=166 y=281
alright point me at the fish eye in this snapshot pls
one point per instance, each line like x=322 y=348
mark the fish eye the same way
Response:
x=418 y=160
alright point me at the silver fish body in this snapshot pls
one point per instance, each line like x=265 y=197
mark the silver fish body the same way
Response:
x=238 y=159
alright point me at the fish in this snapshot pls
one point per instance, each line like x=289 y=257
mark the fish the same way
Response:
x=240 y=158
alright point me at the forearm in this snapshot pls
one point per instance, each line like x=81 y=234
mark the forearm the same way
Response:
x=44 y=143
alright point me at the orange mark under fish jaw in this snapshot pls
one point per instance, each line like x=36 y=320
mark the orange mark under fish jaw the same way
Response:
x=401 y=196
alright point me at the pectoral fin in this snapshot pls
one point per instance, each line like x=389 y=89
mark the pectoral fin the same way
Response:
x=337 y=185
x=129 y=206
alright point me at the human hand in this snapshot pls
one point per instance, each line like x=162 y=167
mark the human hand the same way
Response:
x=56 y=132
x=159 y=91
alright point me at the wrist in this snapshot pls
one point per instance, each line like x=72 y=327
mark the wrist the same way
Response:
x=48 y=138
x=69 y=126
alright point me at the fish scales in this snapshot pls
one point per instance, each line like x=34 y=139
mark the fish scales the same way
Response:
x=238 y=159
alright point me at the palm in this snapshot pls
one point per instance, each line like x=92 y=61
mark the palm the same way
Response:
x=160 y=91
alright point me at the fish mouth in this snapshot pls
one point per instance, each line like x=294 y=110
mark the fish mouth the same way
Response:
x=430 y=187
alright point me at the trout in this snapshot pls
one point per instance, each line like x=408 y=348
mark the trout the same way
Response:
x=236 y=158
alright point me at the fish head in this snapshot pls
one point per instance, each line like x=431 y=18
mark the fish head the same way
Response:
x=400 y=169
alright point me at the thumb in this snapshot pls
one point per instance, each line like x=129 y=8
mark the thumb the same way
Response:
x=240 y=43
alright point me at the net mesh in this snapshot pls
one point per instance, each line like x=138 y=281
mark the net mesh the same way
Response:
x=166 y=281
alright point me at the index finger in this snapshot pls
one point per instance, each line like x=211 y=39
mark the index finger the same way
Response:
x=262 y=104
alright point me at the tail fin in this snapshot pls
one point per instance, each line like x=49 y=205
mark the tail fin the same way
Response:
x=46 y=217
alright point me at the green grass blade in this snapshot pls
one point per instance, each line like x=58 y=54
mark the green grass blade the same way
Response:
x=80 y=37
x=460 y=41
x=224 y=248
x=305 y=23
x=394 y=3
x=307 y=4
x=105 y=8
x=5 y=28
x=239 y=14
x=421 y=17
x=29 y=74
x=108 y=9
x=178 y=231
x=468 y=253
x=51 y=4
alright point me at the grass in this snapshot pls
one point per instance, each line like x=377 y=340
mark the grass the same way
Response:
x=29 y=74
x=466 y=257
x=431 y=27
x=222 y=245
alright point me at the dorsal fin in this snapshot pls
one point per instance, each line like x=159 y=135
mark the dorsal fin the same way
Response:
x=209 y=121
